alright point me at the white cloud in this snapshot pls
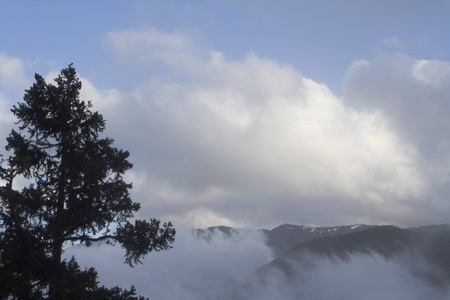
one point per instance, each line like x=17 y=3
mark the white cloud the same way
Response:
x=203 y=218
x=273 y=142
x=102 y=100
x=12 y=82
x=6 y=123
x=7 y=118
x=252 y=142
x=13 y=73
x=433 y=73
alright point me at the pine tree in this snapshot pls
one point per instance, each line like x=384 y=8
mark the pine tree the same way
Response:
x=76 y=193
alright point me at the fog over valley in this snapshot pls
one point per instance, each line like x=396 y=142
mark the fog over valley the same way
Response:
x=226 y=263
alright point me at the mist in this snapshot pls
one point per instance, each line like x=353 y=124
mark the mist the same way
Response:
x=226 y=267
x=194 y=269
x=361 y=276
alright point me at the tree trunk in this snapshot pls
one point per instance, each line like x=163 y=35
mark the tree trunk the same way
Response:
x=57 y=288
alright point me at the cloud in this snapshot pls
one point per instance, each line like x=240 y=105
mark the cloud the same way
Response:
x=413 y=95
x=361 y=276
x=435 y=74
x=193 y=269
x=13 y=73
x=7 y=119
x=392 y=43
x=251 y=140
x=13 y=80
x=151 y=46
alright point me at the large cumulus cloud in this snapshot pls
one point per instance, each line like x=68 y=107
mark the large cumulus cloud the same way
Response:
x=251 y=141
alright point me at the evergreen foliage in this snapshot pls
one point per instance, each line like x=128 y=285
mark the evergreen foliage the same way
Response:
x=76 y=194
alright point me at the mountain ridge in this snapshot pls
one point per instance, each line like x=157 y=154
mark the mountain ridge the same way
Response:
x=430 y=244
x=286 y=236
x=283 y=237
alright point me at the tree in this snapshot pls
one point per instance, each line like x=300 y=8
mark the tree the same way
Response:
x=76 y=194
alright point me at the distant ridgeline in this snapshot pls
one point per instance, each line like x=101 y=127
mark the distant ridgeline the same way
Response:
x=294 y=243
x=286 y=236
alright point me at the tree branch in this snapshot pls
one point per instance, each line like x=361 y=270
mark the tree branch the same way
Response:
x=85 y=238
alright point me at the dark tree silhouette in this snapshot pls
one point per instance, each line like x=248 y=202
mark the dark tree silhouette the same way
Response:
x=76 y=194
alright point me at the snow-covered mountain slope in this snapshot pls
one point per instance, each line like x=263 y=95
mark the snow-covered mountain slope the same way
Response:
x=286 y=236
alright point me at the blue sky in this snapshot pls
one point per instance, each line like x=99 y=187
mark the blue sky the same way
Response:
x=256 y=113
x=319 y=38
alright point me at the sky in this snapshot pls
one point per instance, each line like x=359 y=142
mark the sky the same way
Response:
x=256 y=113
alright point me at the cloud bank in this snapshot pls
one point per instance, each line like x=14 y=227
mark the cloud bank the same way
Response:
x=254 y=143
x=194 y=269
x=252 y=140
x=359 y=277
x=225 y=268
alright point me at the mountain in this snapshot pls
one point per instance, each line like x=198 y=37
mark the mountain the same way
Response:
x=430 y=244
x=283 y=237
x=286 y=236
x=288 y=240
x=227 y=232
